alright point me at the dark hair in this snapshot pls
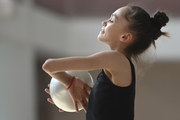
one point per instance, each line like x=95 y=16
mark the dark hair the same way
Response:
x=146 y=29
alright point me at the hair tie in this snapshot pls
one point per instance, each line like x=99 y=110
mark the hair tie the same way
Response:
x=156 y=23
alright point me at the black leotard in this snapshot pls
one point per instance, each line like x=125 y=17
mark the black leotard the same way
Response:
x=110 y=102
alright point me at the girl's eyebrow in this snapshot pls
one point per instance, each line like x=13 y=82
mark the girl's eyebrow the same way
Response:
x=114 y=16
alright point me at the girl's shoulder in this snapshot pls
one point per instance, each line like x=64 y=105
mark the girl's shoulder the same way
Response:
x=120 y=71
x=109 y=60
x=111 y=54
x=115 y=57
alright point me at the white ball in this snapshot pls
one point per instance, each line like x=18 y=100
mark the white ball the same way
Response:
x=60 y=95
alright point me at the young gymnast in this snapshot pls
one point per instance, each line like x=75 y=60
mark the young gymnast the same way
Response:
x=129 y=32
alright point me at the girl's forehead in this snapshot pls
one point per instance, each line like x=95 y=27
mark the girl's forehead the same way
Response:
x=119 y=12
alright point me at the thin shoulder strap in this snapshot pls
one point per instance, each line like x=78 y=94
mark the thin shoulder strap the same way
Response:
x=132 y=70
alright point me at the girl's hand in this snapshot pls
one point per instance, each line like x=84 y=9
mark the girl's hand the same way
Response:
x=79 y=93
x=49 y=99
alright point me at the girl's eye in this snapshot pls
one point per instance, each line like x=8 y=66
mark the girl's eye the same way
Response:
x=110 y=21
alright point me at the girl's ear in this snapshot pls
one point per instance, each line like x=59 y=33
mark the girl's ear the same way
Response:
x=127 y=38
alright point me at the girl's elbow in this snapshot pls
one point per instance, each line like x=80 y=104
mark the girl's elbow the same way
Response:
x=47 y=66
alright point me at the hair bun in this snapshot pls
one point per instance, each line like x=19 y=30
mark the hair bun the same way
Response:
x=161 y=18
x=158 y=21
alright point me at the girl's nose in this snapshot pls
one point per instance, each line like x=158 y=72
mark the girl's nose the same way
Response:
x=104 y=23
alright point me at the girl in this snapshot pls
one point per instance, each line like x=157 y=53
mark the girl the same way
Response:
x=129 y=32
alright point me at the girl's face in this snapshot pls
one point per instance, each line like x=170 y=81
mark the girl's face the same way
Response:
x=114 y=28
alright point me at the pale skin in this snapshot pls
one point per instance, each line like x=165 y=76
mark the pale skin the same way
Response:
x=116 y=34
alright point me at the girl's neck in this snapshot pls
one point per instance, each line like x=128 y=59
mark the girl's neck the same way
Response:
x=121 y=50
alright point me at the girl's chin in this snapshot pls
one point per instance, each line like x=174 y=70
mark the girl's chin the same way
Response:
x=100 y=39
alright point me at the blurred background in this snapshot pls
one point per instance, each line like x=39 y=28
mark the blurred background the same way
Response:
x=33 y=30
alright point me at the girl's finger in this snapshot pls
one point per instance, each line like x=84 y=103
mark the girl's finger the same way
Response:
x=50 y=100
x=47 y=90
x=76 y=106
x=84 y=104
x=87 y=87
x=60 y=110
x=86 y=93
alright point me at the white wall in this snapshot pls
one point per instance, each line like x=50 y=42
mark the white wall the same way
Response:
x=33 y=28
x=16 y=82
